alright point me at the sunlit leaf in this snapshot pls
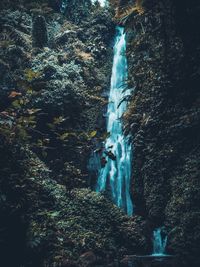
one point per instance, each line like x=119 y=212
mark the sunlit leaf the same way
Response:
x=64 y=136
x=13 y=94
x=58 y=120
x=31 y=75
x=93 y=134
x=32 y=111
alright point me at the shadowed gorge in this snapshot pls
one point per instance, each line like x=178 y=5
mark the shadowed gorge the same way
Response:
x=99 y=133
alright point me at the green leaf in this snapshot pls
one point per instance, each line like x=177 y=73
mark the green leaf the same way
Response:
x=54 y=214
x=16 y=104
x=31 y=75
x=58 y=120
x=64 y=136
x=93 y=134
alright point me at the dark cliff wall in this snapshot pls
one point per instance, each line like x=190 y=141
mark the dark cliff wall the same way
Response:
x=61 y=72
x=53 y=78
x=52 y=102
x=164 y=119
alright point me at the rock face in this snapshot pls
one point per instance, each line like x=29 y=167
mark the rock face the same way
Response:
x=164 y=119
x=42 y=223
x=63 y=84
x=52 y=100
x=53 y=96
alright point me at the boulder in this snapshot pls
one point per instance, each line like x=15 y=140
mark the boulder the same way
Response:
x=88 y=259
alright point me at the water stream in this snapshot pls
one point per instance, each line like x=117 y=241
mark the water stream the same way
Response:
x=117 y=171
x=159 y=242
x=115 y=175
x=101 y=2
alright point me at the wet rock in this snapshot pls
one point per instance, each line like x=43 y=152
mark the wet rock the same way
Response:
x=164 y=263
x=69 y=263
x=88 y=259
x=110 y=155
x=148 y=261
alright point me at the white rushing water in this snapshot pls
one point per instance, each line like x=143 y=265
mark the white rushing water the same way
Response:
x=101 y=2
x=117 y=172
x=159 y=242
x=63 y=6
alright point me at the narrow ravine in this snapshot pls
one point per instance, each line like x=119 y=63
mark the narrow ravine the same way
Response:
x=116 y=174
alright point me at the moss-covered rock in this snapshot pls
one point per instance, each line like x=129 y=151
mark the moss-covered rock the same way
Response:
x=60 y=225
x=53 y=103
x=163 y=118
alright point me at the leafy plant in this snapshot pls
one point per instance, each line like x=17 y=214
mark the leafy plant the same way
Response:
x=127 y=12
x=17 y=121
x=30 y=74
x=93 y=134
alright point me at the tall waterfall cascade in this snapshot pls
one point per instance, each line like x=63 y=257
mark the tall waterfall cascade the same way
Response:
x=115 y=175
x=159 y=242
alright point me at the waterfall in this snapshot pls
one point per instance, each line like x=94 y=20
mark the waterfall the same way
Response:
x=159 y=242
x=116 y=173
x=101 y=2
x=63 y=6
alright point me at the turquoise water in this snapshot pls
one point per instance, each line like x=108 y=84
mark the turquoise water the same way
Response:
x=159 y=242
x=117 y=172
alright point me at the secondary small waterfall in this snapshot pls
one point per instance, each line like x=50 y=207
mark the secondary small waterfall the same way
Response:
x=159 y=242
x=116 y=173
